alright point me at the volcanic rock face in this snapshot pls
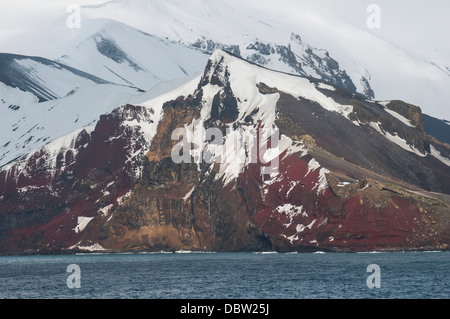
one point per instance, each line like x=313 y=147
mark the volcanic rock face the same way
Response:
x=49 y=196
x=295 y=165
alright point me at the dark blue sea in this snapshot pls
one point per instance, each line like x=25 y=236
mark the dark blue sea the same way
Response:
x=423 y=275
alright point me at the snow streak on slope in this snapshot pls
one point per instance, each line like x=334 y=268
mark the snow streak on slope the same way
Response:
x=396 y=139
x=399 y=117
x=439 y=156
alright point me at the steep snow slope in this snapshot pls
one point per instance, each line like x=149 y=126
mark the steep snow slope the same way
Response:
x=120 y=54
x=42 y=100
x=35 y=124
x=47 y=80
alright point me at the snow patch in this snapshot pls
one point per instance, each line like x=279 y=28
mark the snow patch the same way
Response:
x=291 y=211
x=105 y=210
x=322 y=183
x=299 y=229
x=396 y=139
x=312 y=166
x=438 y=155
x=188 y=194
x=121 y=199
x=82 y=223
x=93 y=247
x=399 y=117
x=343 y=184
x=296 y=147
x=292 y=185
x=326 y=87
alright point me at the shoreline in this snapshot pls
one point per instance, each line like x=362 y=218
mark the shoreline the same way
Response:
x=182 y=251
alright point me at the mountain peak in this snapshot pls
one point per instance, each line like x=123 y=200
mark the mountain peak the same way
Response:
x=215 y=70
x=245 y=79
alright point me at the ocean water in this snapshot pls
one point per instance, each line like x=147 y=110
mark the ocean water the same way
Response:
x=415 y=275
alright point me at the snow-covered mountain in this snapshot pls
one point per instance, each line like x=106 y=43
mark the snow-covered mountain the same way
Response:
x=106 y=65
x=120 y=54
x=377 y=59
x=318 y=185
x=88 y=117
x=407 y=58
